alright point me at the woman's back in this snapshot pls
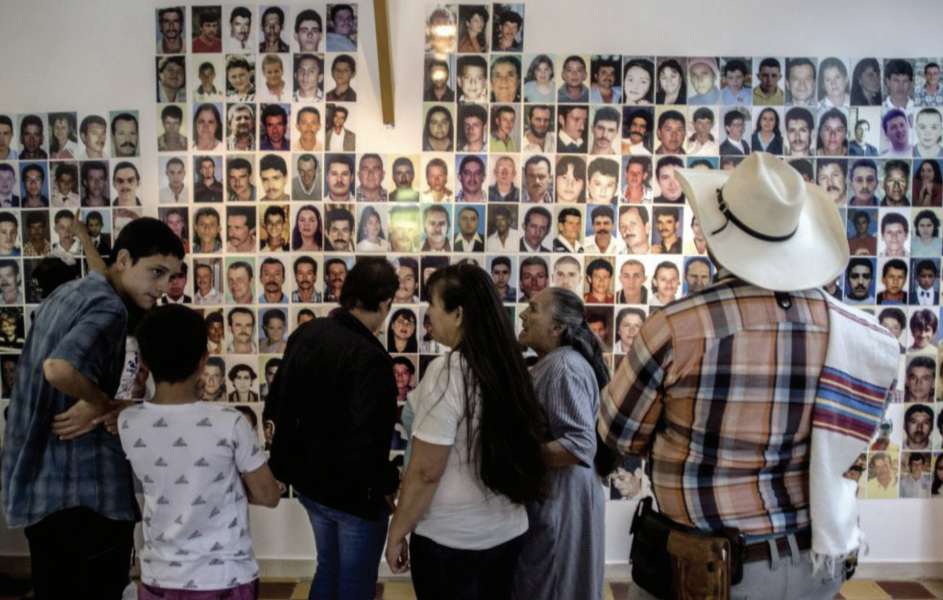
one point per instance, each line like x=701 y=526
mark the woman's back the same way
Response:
x=464 y=513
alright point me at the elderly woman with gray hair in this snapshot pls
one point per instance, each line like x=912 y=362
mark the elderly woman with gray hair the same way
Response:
x=563 y=553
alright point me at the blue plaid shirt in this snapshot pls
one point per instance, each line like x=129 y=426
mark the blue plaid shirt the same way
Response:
x=84 y=323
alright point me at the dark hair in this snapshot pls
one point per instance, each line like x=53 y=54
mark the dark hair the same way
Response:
x=858 y=261
x=919 y=408
x=799 y=113
x=172 y=358
x=898 y=66
x=373 y=280
x=579 y=172
x=210 y=108
x=69 y=118
x=505 y=442
x=307 y=15
x=670 y=115
x=668 y=161
x=146 y=237
x=922 y=319
x=776 y=132
x=732 y=116
x=240 y=11
x=599 y=264
x=51 y=272
x=858 y=96
x=233 y=372
x=803 y=166
x=937 y=481
x=736 y=64
x=895 y=218
x=682 y=90
x=894 y=264
x=126 y=116
x=927 y=265
x=402 y=360
x=894 y=313
x=769 y=62
x=412 y=346
x=568 y=212
x=29 y=120
x=566 y=309
x=306 y=312
x=273 y=161
x=274 y=10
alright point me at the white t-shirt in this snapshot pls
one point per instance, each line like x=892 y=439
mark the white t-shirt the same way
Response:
x=464 y=514
x=196 y=516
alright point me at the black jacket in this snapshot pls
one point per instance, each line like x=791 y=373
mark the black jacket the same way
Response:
x=333 y=402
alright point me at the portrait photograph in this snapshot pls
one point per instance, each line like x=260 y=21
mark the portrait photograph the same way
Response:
x=340 y=227
x=404 y=229
x=503 y=272
x=172 y=128
x=736 y=86
x=239 y=29
x=508 y=29
x=441 y=28
x=308 y=31
x=207 y=280
x=274 y=227
x=63 y=136
x=33 y=136
x=275 y=127
x=472 y=77
x=670 y=83
x=242 y=381
x=629 y=481
x=171 y=78
x=702 y=131
x=124 y=133
x=769 y=78
x=206 y=29
x=12 y=327
x=894 y=179
x=342 y=27
x=308 y=77
x=273 y=28
x=601 y=320
x=539 y=79
x=273 y=78
x=438 y=133
x=240 y=279
x=474 y=28
x=273 y=329
x=567 y=272
x=438 y=78
x=372 y=228
x=573 y=78
x=240 y=77
x=342 y=72
x=437 y=179
x=898 y=83
x=171 y=30
x=399 y=333
x=834 y=82
x=861 y=225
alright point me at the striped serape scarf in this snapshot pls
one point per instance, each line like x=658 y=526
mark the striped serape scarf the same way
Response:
x=857 y=380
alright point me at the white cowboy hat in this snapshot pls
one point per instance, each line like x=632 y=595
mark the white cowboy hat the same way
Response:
x=765 y=224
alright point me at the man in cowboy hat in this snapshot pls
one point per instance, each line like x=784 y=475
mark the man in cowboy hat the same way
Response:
x=720 y=388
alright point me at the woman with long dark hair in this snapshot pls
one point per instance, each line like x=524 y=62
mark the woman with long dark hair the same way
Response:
x=671 y=86
x=307 y=233
x=472 y=21
x=767 y=136
x=476 y=449
x=564 y=550
x=866 y=83
x=927 y=183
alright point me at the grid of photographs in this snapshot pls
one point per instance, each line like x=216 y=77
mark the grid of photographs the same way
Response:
x=249 y=99
x=51 y=166
x=544 y=169
x=558 y=169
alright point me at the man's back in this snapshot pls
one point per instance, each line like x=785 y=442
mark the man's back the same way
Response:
x=196 y=516
x=730 y=360
x=334 y=405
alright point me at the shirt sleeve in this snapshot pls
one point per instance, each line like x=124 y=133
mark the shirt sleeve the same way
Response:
x=570 y=415
x=90 y=340
x=631 y=405
x=245 y=443
x=438 y=404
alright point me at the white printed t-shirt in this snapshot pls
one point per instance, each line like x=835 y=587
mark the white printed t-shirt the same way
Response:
x=196 y=516
x=464 y=514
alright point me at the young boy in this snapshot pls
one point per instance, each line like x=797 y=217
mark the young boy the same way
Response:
x=201 y=465
x=64 y=477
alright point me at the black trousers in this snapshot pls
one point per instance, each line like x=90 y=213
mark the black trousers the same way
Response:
x=77 y=553
x=440 y=572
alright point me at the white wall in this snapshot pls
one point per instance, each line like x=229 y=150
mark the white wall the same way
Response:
x=72 y=55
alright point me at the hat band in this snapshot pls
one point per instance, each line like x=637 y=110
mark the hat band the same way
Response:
x=732 y=218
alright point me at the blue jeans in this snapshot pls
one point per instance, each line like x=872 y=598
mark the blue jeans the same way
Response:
x=349 y=553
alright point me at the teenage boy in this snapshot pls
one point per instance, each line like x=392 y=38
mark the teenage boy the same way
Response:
x=65 y=478
x=201 y=466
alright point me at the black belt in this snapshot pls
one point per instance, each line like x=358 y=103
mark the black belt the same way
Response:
x=758 y=551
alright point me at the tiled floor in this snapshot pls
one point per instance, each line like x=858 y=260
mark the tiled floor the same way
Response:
x=17 y=588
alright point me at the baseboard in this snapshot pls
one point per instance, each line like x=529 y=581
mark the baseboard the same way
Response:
x=890 y=571
x=304 y=569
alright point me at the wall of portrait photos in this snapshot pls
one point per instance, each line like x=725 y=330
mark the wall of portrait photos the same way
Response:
x=543 y=166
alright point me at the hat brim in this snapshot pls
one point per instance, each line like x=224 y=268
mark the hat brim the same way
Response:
x=815 y=256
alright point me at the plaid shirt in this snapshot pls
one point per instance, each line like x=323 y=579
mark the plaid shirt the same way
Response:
x=84 y=323
x=720 y=387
